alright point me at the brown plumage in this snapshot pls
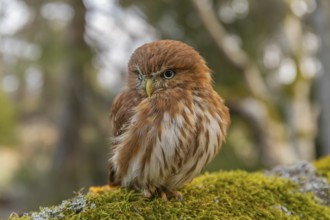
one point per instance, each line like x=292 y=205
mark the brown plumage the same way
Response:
x=168 y=123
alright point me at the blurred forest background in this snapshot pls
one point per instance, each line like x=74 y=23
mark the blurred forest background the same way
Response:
x=62 y=63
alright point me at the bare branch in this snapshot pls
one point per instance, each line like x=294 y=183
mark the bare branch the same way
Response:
x=235 y=54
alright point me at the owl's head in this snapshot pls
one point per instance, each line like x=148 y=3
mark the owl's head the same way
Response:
x=166 y=64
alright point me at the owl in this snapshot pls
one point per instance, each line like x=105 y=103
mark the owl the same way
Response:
x=168 y=122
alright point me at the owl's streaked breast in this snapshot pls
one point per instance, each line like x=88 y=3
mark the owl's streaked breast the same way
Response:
x=181 y=146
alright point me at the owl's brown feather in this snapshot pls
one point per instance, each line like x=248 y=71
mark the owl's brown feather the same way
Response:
x=161 y=142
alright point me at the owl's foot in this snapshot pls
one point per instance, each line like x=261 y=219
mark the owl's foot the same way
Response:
x=162 y=193
x=178 y=195
x=165 y=194
x=149 y=192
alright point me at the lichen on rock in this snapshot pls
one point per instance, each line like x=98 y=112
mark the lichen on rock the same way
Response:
x=67 y=207
x=221 y=195
x=306 y=176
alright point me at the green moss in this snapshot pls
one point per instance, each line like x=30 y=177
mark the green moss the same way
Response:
x=221 y=195
x=323 y=167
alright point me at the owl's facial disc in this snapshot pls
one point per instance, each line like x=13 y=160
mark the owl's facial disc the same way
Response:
x=155 y=81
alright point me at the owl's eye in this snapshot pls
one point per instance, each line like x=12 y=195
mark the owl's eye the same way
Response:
x=139 y=76
x=168 y=74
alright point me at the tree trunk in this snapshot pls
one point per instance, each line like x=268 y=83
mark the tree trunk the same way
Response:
x=71 y=117
x=321 y=25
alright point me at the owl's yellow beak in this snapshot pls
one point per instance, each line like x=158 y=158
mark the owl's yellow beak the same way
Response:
x=148 y=83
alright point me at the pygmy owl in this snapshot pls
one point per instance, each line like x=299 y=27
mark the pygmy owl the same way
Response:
x=168 y=122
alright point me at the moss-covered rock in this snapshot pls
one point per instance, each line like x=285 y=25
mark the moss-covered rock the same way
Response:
x=222 y=195
x=307 y=177
x=323 y=167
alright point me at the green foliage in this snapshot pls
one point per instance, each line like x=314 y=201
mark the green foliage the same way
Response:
x=222 y=195
x=7 y=121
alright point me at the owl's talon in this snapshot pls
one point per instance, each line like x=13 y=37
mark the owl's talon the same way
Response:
x=163 y=196
x=147 y=193
x=178 y=195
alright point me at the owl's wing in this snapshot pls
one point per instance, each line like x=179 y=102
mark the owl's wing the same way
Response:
x=120 y=114
x=121 y=111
